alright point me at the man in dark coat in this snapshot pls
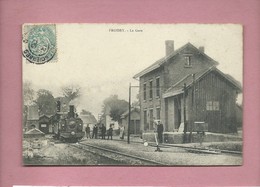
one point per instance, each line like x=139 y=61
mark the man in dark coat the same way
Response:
x=110 y=132
x=160 y=132
x=87 y=131
x=95 y=131
x=103 y=131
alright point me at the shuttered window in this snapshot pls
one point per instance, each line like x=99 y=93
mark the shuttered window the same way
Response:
x=151 y=119
x=212 y=105
x=145 y=120
x=158 y=111
x=151 y=90
x=144 y=91
x=158 y=87
x=188 y=63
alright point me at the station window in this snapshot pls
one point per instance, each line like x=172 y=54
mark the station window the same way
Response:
x=144 y=90
x=158 y=111
x=151 y=119
x=145 y=120
x=158 y=87
x=212 y=105
x=151 y=90
x=188 y=61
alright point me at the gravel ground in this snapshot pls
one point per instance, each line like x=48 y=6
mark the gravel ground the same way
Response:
x=64 y=154
x=121 y=159
x=169 y=156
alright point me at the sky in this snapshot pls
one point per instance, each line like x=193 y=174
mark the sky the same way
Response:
x=103 y=62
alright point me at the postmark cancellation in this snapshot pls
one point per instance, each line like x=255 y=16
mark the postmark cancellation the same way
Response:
x=39 y=43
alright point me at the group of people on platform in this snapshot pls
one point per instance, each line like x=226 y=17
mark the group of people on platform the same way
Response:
x=103 y=132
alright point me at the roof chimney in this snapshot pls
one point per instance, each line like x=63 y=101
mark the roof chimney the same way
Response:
x=201 y=49
x=169 y=47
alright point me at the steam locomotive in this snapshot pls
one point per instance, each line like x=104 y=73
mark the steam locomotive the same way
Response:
x=68 y=127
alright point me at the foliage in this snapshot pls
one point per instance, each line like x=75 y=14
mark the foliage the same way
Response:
x=28 y=98
x=115 y=106
x=28 y=93
x=85 y=112
x=71 y=92
x=45 y=102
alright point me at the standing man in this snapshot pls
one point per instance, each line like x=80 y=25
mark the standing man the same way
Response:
x=160 y=131
x=95 y=131
x=103 y=131
x=87 y=131
x=110 y=132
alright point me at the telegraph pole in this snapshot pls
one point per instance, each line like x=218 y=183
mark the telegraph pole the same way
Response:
x=129 y=116
x=194 y=113
x=184 y=113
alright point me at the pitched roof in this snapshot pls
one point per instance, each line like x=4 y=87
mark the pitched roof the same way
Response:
x=161 y=61
x=177 y=88
x=127 y=112
x=46 y=116
x=34 y=131
x=88 y=119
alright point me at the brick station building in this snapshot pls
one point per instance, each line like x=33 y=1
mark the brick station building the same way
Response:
x=187 y=74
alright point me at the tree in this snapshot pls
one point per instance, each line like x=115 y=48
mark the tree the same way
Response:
x=117 y=107
x=28 y=93
x=85 y=112
x=71 y=92
x=28 y=98
x=45 y=102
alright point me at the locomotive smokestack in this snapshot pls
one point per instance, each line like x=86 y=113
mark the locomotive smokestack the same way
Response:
x=71 y=112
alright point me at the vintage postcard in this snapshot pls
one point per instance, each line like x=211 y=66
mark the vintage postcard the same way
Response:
x=132 y=94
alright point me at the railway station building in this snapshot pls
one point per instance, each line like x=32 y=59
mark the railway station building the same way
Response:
x=186 y=85
x=135 y=121
x=45 y=124
x=32 y=118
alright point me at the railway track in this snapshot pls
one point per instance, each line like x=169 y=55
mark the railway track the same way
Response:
x=194 y=149
x=203 y=150
x=124 y=158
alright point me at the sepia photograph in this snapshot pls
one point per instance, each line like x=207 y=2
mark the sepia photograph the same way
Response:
x=132 y=94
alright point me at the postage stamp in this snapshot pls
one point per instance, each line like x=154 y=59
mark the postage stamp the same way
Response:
x=39 y=43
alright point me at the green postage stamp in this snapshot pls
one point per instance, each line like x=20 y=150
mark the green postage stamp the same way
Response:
x=39 y=43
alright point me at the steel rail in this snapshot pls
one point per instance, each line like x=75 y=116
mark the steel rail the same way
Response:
x=152 y=144
x=124 y=154
x=93 y=152
x=198 y=148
